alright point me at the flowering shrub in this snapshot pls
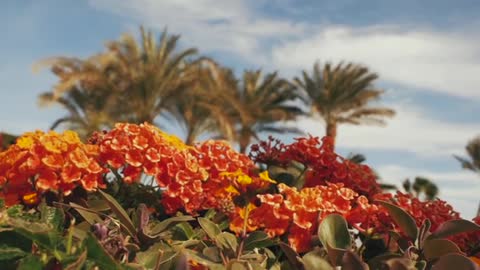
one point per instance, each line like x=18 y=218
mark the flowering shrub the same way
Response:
x=41 y=162
x=220 y=209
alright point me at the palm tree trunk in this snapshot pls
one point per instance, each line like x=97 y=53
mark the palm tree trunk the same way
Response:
x=244 y=140
x=331 y=130
x=190 y=137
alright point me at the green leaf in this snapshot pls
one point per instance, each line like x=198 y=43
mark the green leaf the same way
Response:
x=120 y=213
x=213 y=254
x=227 y=241
x=52 y=215
x=292 y=256
x=96 y=253
x=202 y=259
x=210 y=228
x=89 y=215
x=257 y=239
x=335 y=237
x=351 y=261
x=98 y=205
x=421 y=265
x=453 y=227
x=237 y=265
x=40 y=233
x=313 y=261
x=435 y=248
x=454 y=261
x=30 y=262
x=165 y=224
x=402 y=219
x=77 y=264
x=9 y=253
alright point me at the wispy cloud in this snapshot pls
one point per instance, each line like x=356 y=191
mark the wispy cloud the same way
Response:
x=424 y=59
x=228 y=26
x=460 y=188
x=411 y=130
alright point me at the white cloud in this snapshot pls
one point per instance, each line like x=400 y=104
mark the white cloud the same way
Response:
x=229 y=26
x=411 y=130
x=438 y=61
x=459 y=188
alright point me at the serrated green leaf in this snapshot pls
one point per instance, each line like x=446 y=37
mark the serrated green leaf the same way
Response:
x=402 y=219
x=120 y=213
x=210 y=228
x=453 y=227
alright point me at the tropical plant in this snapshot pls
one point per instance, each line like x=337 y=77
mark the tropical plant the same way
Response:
x=472 y=163
x=71 y=205
x=341 y=95
x=129 y=82
x=153 y=75
x=6 y=140
x=201 y=109
x=85 y=89
x=258 y=103
x=421 y=187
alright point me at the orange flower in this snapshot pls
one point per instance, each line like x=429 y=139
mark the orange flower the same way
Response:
x=41 y=162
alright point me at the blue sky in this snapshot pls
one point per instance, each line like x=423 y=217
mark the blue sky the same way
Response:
x=427 y=54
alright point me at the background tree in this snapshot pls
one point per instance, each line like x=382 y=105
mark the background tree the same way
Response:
x=259 y=103
x=129 y=82
x=6 y=140
x=201 y=109
x=342 y=94
x=85 y=89
x=472 y=163
x=153 y=75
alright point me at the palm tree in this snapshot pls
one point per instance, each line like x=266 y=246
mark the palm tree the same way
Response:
x=421 y=185
x=200 y=109
x=341 y=95
x=85 y=90
x=129 y=82
x=472 y=163
x=152 y=74
x=258 y=103
x=6 y=140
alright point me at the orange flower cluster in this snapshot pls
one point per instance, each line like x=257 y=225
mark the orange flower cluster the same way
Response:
x=192 y=177
x=40 y=162
x=322 y=163
x=295 y=213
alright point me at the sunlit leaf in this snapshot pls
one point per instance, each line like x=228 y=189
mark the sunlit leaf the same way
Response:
x=455 y=261
x=313 y=261
x=453 y=227
x=335 y=237
x=435 y=248
x=120 y=213
x=210 y=228
x=402 y=219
